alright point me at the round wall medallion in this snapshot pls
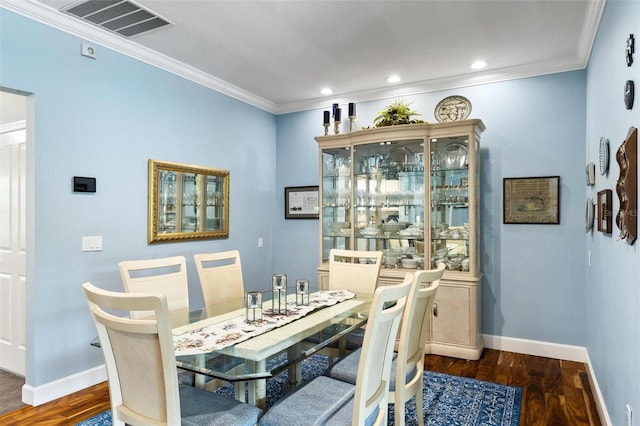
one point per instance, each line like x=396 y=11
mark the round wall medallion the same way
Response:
x=628 y=94
x=453 y=108
x=604 y=156
x=589 y=214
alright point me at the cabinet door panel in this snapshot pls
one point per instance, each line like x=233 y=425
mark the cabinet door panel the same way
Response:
x=452 y=324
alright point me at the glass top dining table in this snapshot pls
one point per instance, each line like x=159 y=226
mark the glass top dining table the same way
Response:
x=247 y=359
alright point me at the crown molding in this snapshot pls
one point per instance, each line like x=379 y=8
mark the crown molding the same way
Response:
x=580 y=61
x=444 y=83
x=53 y=18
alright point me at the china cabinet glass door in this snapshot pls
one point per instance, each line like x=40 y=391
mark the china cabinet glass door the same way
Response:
x=336 y=200
x=389 y=199
x=449 y=189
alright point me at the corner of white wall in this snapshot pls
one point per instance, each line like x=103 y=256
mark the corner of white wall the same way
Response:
x=553 y=350
x=67 y=385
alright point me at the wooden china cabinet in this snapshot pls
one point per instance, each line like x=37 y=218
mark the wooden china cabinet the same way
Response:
x=411 y=191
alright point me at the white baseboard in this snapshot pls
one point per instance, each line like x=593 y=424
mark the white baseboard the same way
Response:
x=553 y=350
x=48 y=392
x=535 y=347
x=597 y=394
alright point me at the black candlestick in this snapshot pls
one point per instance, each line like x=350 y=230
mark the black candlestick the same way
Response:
x=337 y=115
x=333 y=112
x=352 y=109
x=326 y=117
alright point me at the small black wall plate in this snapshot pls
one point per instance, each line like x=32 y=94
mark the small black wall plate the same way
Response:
x=84 y=184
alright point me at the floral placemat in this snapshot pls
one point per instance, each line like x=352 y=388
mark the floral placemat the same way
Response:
x=198 y=338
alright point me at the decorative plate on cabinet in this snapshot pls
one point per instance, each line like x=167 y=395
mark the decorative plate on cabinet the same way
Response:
x=453 y=108
x=604 y=156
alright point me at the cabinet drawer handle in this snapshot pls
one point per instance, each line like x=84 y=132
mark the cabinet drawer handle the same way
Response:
x=435 y=309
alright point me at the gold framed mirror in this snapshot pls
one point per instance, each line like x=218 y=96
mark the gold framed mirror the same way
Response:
x=187 y=202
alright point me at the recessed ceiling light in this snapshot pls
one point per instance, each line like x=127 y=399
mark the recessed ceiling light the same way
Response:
x=326 y=91
x=393 y=79
x=478 y=65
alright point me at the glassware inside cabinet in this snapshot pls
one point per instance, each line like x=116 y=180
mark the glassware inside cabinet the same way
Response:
x=449 y=186
x=336 y=200
x=190 y=202
x=389 y=201
x=214 y=216
x=167 y=202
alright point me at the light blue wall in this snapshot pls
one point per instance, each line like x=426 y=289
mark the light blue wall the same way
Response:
x=106 y=118
x=613 y=280
x=533 y=287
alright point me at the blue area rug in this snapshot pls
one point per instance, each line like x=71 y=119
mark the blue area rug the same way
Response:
x=447 y=400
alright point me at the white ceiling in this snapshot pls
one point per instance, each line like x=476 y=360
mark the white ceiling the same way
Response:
x=277 y=55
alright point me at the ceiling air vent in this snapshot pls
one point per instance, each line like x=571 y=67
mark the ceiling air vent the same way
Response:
x=120 y=16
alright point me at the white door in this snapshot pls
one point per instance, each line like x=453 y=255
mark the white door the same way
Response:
x=12 y=248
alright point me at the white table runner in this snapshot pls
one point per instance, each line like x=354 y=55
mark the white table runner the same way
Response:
x=213 y=334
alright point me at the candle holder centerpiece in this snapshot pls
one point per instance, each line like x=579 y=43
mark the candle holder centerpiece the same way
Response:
x=326 y=122
x=302 y=292
x=337 y=119
x=352 y=116
x=254 y=306
x=279 y=294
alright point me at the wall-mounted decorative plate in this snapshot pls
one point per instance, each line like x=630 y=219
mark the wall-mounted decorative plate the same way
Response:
x=590 y=173
x=604 y=156
x=628 y=94
x=589 y=213
x=630 y=49
x=453 y=108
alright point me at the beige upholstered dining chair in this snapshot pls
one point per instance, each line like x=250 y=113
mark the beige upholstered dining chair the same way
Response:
x=333 y=402
x=354 y=270
x=358 y=272
x=220 y=277
x=166 y=275
x=141 y=367
x=408 y=367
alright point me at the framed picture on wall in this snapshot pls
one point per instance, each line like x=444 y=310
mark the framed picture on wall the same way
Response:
x=301 y=202
x=531 y=200
x=604 y=211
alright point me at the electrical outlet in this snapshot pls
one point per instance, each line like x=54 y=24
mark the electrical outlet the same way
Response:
x=629 y=413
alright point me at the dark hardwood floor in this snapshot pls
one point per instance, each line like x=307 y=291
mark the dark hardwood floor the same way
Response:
x=10 y=392
x=554 y=392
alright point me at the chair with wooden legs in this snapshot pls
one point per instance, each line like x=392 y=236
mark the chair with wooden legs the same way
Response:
x=408 y=367
x=141 y=367
x=357 y=271
x=329 y=401
x=220 y=275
